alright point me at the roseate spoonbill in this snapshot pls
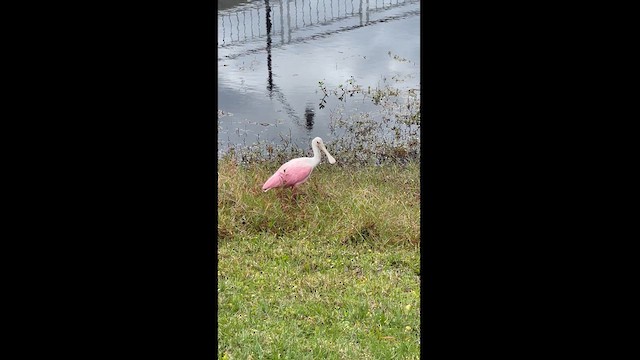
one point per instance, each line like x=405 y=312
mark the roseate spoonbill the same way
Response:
x=295 y=172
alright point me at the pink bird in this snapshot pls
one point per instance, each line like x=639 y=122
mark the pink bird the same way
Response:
x=295 y=172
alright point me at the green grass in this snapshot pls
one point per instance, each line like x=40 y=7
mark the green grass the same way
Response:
x=331 y=274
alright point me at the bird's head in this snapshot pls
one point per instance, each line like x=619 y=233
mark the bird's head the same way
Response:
x=318 y=142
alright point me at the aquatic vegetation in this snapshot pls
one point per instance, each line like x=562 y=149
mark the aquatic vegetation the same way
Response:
x=388 y=134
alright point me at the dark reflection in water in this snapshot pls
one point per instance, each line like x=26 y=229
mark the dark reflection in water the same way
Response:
x=270 y=76
x=308 y=117
x=288 y=23
x=272 y=88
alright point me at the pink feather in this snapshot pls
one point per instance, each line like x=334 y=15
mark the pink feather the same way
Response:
x=292 y=173
x=295 y=172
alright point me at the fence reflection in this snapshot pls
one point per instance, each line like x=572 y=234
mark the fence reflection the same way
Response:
x=245 y=23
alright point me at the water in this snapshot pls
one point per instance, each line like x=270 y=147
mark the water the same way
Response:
x=273 y=54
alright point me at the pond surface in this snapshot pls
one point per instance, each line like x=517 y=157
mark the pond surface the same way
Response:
x=273 y=55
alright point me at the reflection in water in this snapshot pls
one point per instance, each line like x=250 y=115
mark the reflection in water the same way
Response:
x=288 y=23
x=308 y=117
x=230 y=34
x=270 y=76
x=281 y=23
x=237 y=25
x=271 y=87
x=324 y=12
x=294 y=83
x=244 y=24
x=224 y=33
x=251 y=14
x=366 y=11
x=272 y=16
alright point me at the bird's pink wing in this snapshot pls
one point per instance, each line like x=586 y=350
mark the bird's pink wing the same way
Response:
x=276 y=180
x=296 y=174
x=291 y=173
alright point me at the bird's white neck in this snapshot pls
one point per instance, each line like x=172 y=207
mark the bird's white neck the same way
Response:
x=315 y=160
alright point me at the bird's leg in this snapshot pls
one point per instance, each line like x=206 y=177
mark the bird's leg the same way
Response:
x=296 y=195
x=294 y=191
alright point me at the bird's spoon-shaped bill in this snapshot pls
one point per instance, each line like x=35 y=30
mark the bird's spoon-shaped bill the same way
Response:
x=331 y=159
